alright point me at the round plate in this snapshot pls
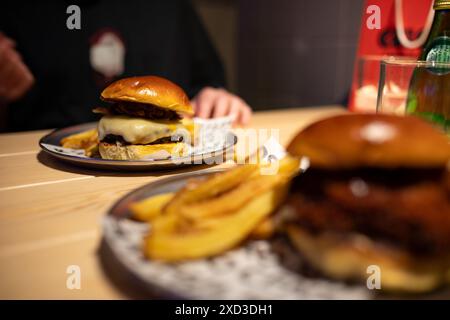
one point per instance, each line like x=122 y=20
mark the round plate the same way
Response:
x=51 y=144
x=256 y=270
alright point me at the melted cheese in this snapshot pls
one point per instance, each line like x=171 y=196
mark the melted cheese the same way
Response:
x=136 y=130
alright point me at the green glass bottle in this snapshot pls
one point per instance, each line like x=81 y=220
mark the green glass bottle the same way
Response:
x=429 y=90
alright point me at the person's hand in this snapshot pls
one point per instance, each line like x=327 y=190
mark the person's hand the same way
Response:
x=15 y=78
x=211 y=102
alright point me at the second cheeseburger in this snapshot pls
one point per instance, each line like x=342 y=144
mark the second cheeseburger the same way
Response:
x=377 y=193
x=143 y=120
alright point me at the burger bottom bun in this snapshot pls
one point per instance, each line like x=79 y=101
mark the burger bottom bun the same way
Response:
x=142 y=152
x=348 y=258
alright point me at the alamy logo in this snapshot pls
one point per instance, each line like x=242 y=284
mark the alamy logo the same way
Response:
x=374 y=280
x=74 y=279
x=374 y=19
x=73 y=21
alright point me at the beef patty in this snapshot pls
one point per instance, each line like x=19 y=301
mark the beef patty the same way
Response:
x=409 y=207
x=141 y=110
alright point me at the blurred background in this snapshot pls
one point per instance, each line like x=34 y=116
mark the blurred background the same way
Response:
x=285 y=53
x=275 y=54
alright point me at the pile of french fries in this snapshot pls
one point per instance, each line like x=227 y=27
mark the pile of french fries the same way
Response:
x=86 y=140
x=210 y=216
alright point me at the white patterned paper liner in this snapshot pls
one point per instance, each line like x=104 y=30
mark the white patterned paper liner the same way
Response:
x=65 y=151
x=252 y=271
x=214 y=135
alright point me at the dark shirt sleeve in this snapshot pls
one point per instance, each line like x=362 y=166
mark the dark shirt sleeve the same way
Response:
x=206 y=66
x=164 y=38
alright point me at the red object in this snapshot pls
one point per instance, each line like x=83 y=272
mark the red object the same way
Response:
x=384 y=41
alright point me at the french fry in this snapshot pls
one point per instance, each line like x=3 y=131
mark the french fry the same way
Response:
x=92 y=150
x=165 y=224
x=243 y=193
x=150 y=208
x=210 y=213
x=87 y=140
x=230 y=201
x=287 y=167
x=177 y=245
x=208 y=217
x=264 y=230
x=196 y=191
x=80 y=140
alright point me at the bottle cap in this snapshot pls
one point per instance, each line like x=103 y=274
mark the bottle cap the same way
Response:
x=441 y=4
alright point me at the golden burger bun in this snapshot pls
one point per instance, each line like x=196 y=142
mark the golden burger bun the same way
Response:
x=371 y=140
x=151 y=90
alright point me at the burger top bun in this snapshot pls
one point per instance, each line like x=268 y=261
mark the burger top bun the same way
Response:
x=371 y=140
x=149 y=90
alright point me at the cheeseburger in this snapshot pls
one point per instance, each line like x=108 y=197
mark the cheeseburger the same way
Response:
x=143 y=120
x=377 y=192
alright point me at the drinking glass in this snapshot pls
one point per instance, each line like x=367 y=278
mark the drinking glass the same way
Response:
x=408 y=86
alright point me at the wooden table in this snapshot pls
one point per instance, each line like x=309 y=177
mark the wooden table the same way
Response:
x=50 y=213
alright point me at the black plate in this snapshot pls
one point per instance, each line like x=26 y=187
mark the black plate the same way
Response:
x=264 y=269
x=252 y=271
x=54 y=138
